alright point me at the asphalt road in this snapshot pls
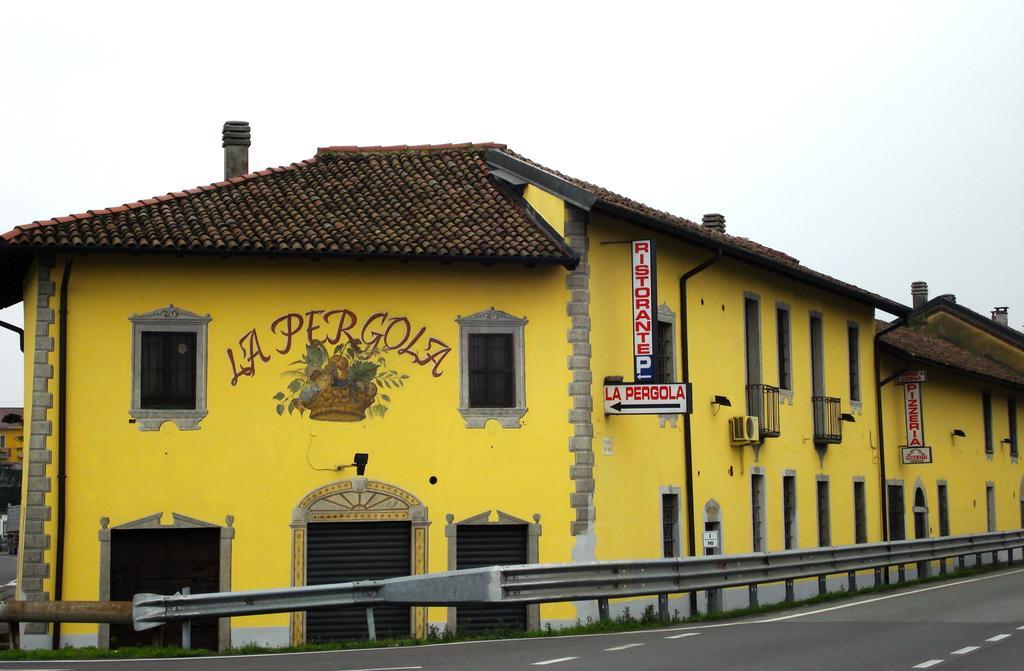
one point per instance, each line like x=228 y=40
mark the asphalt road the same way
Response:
x=968 y=625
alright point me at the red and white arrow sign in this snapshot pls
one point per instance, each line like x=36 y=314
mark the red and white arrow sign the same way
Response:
x=647 y=399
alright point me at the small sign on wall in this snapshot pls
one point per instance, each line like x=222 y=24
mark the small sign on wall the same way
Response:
x=710 y=540
x=912 y=376
x=915 y=455
x=647 y=399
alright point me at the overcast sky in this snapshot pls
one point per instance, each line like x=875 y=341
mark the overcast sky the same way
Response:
x=881 y=143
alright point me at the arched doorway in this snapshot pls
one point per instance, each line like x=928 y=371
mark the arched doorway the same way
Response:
x=357 y=529
x=920 y=513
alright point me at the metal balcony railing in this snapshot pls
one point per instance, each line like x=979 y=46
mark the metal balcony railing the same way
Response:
x=763 y=403
x=827 y=426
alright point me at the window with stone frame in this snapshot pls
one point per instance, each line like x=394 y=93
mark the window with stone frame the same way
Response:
x=169 y=368
x=492 y=375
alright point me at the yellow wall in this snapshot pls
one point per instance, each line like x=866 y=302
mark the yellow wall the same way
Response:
x=955 y=402
x=967 y=335
x=248 y=462
x=14 y=444
x=647 y=456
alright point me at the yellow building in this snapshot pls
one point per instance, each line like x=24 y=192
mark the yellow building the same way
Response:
x=12 y=436
x=383 y=361
x=952 y=382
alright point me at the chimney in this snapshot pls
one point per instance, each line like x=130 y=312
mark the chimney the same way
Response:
x=919 y=292
x=714 y=221
x=1001 y=315
x=236 y=148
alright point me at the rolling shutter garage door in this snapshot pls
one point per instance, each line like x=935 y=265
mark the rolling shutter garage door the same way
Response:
x=348 y=551
x=479 y=545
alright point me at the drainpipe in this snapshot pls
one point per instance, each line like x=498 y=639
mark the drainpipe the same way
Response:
x=17 y=329
x=687 y=442
x=879 y=383
x=62 y=433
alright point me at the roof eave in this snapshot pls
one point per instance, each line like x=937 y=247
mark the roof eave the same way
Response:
x=899 y=352
x=10 y=297
x=587 y=200
x=891 y=307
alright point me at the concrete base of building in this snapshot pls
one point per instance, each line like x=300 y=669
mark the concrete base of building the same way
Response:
x=35 y=641
x=268 y=637
x=79 y=640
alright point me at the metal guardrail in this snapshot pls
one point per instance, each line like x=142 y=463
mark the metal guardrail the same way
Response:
x=546 y=583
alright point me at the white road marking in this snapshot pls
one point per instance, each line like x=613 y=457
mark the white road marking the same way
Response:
x=997 y=638
x=554 y=661
x=623 y=647
x=382 y=668
x=692 y=633
x=1020 y=627
x=887 y=597
x=14 y=583
x=964 y=651
x=929 y=664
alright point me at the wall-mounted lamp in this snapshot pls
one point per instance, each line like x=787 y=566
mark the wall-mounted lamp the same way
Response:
x=847 y=417
x=359 y=460
x=722 y=401
x=959 y=433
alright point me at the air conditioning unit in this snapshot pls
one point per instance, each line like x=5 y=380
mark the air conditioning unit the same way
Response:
x=744 y=430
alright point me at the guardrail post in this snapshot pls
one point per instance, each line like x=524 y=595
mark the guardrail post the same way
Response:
x=822 y=585
x=663 y=607
x=603 y=613
x=902 y=568
x=851 y=581
x=878 y=577
x=752 y=596
x=371 y=626
x=186 y=626
x=790 y=592
x=995 y=559
x=942 y=566
x=714 y=600
x=922 y=569
x=977 y=559
x=961 y=562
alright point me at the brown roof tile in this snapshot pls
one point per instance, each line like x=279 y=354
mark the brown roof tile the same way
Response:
x=714 y=238
x=432 y=201
x=932 y=349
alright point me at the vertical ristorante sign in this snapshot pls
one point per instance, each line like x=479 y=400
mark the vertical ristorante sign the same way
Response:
x=645 y=302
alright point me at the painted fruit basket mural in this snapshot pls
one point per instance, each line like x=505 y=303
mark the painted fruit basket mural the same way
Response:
x=340 y=386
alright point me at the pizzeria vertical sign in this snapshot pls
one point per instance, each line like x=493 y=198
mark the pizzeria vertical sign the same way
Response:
x=915 y=451
x=645 y=302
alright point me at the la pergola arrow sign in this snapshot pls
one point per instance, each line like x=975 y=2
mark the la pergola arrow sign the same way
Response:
x=647 y=399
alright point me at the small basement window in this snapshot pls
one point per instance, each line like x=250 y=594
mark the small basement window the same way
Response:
x=169 y=368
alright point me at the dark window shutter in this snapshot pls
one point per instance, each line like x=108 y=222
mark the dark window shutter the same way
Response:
x=168 y=375
x=492 y=382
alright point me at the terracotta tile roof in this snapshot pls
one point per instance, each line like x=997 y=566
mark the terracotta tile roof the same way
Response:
x=430 y=201
x=424 y=201
x=932 y=349
x=749 y=249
